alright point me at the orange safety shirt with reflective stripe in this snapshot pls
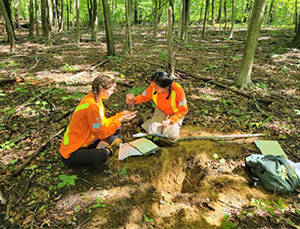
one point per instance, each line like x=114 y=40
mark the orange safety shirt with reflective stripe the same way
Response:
x=175 y=105
x=88 y=122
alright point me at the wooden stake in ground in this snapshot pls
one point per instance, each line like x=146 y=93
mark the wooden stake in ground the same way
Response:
x=170 y=41
x=11 y=36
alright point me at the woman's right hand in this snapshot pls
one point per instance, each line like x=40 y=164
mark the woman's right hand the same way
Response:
x=127 y=116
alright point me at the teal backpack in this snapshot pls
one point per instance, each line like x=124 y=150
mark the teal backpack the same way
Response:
x=273 y=173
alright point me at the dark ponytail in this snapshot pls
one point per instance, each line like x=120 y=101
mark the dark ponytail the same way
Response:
x=163 y=80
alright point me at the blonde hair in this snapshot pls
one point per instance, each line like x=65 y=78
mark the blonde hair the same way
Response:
x=102 y=81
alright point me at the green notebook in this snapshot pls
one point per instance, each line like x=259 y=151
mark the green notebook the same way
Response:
x=268 y=147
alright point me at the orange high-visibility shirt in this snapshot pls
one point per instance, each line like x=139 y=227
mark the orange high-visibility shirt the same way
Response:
x=87 y=123
x=175 y=105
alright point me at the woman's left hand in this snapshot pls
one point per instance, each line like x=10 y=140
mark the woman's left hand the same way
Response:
x=165 y=123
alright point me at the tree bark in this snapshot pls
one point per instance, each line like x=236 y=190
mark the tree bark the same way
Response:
x=201 y=10
x=90 y=7
x=185 y=19
x=296 y=15
x=31 y=20
x=68 y=15
x=213 y=13
x=77 y=37
x=296 y=41
x=171 y=3
x=232 y=19
x=55 y=13
x=205 y=19
x=44 y=18
x=9 y=27
x=170 y=42
x=220 y=12
x=128 y=47
x=225 y=14
x=61 y=21
x=94 y=27
x=108 y=29
x=18 y=25
x=37 y=15
x=49 y=22
x=155 y=18
x=136 y=12
x=271 y=12
x=244 y=78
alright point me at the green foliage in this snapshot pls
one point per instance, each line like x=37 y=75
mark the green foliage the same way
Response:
x=13 y=161
x=66 y=180
x=117 y=59
x=226 y=224
x=215 y=156
x=98 y=203
x=272 y=208
x=77 y=208
x=68 y=68
x=285 y=69
x=123 y=171
x=2 y=65
x=137 y=90
x=161 y=54
x=8 y=145
x=222 y=161
x=148 y=219
x=77 y=95
x=262 y=85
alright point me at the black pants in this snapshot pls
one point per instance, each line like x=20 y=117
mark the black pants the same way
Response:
x=90 y=156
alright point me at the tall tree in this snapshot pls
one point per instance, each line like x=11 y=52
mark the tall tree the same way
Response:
x=44 y=18
x=55 y=12
x=296 y=40
x=271 y=12
x=9 y=27
x=185 y=19
x=136 y=17
x=171 y=3
x=213 y=13
x=155 y=19
x=232 y=19
x=170 y=42
x=61 y=21
x=108 y=29
x=296 y=15
x=68 y=15
x=128 y=47
x=8 y=11
x=18 y=25
x=94 y=27
x=205 y=18
x=244 y=77
x=220 y=12
x=225 y=14
x=77 y=36
x=31 y=20
x=49 y=22
x=37 y=15
x=90 y=8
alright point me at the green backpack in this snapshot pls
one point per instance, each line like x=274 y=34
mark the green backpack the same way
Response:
x=273 y=173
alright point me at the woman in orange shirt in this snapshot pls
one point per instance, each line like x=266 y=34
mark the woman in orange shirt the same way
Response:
x=171 y=105
x=81 y=144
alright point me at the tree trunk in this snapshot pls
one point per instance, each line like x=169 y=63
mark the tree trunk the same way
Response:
x=213 y=13
x=296 y=15
x=136 y=12
x=171 y=55
x=155 y=18
x=271 y=12
x=61 y=21
x=90 y=8
x=205 y=18
x=77 y=36
x=73 y=12
x=220 y=12
x=244 y=78
x=296 y=40
x=9 y=27
x=171 y=3
x=37 y=15
x=55 y=13
x=31 y=20
x=44 y=18
x=18 y=25
x=201 y=11
x=108 y=29
x=185 y=19
x=49 y=23
x=127 y=48
x=232 y=20
x=225 y=14
x=68 y=15
x=94 y=28
x=180 y=19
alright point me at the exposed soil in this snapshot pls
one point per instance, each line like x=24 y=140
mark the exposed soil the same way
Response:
x=189 y=185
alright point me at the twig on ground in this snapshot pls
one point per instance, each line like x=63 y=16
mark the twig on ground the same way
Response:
x=37 y=59
x=8 y=207
x=99 y=64
x=231 y=205
x=7 y=80
x=24 y=191
x=34 y=154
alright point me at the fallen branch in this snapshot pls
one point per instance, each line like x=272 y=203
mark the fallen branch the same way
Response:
x=99 y=64
x=8 y=207
x=7 y=80
x=218 y=137
x=24 y=191
x=231 y=205
x=2 y=198
x=34 y=154
x=37 y=61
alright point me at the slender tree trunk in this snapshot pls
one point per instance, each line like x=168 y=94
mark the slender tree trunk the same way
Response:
x=244 y=78
x=90 y=7
x=44 y=18
x=205 y=18
x=108 y=29
x=180 y=19
x=271 y=12
x=220 y=12
x=171 y=3
x=225 y=14
x=61 y=21
x=127 y=48
x=31 y=20
x=170 y=42
x=9 y=27
x=155 y=18
x=94 y=28
x=201 y=10
x=73 y=13
x=68 y=15
x=296 y=15
x=136 y=12
x=37 y=15
x=18 y=25
x=296 y=41
x=49 y=23
x=55 y=13
x=232 y=19
x=77 y=36
x=185 y=20
x=4 y=25
x=213 y=13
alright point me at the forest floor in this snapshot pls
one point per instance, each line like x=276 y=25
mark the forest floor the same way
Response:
x=195 y=184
